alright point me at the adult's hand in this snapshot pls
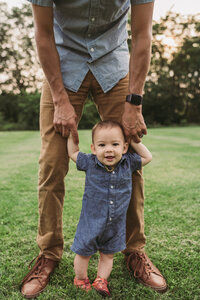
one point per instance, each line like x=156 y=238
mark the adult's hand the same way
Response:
x=133 y=122
x=64 y=115
x=65 y=120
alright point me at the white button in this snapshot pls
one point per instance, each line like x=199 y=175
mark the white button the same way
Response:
x=92 y=49
x=93 y=19
x=111 y=202
x=112 y=187
x=113 y=172
x=89 y=35
x=110 y=219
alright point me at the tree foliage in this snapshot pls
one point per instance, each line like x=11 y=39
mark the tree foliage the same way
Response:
x=90 y=115
x=19 y=66
x=19 y=112
x=172 y=93
x=172 y=88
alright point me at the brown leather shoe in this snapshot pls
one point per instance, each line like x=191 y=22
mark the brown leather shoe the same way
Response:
x=38 y=277
x=145 y=272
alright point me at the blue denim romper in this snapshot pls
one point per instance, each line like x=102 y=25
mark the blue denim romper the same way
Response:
x=102 y=223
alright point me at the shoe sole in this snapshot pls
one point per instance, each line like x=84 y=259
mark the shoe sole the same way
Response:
x=33 y=296
x=36 y=295
x=159 y=290
x=104 y=294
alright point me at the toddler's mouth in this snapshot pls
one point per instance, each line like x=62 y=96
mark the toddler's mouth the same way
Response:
x=109 y=157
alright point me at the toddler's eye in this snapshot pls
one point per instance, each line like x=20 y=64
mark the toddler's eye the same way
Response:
x=115 y=144
x=101 y=145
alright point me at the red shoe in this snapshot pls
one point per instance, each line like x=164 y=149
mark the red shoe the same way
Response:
x=83 y=284
x=101 y=286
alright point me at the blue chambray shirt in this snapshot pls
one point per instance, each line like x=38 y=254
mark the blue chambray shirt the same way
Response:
x=106 y=198
x=91 y=35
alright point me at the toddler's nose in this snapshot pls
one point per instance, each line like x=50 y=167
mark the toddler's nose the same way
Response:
x=109 y=148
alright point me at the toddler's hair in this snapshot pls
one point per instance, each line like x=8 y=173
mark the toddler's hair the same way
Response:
x=107 y=124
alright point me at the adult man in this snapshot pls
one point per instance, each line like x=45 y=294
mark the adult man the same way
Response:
x=82 y=47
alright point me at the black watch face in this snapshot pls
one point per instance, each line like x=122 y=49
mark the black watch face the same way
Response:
x=136 y=99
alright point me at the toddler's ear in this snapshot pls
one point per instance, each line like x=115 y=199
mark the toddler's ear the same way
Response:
x=126 y=145
x=93 y=149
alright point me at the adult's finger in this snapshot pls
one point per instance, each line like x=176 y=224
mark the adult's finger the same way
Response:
x=136 y=138
x=127 y=134
x=140 y=134
x=144 y=131
x=65 y=132
x=58 y=128
x=57 y=124
x=143 y=127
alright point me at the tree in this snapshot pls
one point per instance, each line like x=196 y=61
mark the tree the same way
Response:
x=90 y=115
x=20 y=71
x=19 y=112
x=186 y=68
x=172 y=88
x=169 y=89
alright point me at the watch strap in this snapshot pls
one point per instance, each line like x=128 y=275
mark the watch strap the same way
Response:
x=134 y=99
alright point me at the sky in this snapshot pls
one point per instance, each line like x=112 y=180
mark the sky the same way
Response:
x=183 y=7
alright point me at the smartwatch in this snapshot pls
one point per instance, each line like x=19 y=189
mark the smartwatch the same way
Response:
x=134 y=99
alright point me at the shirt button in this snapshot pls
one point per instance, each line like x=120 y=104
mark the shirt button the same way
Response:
x=89 y=35
x=92 y=49
x=111 y=202
x=93 y=19
x=112 y=187
x=113 y=172
x=110 y=219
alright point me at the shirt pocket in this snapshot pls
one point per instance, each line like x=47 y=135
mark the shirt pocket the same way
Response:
x=111 y=10
x=97 y=178
x=124 y=182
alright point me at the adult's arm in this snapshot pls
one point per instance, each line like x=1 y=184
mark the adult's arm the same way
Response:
x=141 y=30
x=64 y=114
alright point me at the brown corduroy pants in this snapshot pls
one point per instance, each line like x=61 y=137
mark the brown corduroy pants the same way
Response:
x=54 y=167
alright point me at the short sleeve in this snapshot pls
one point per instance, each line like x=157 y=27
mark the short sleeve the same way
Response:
x=82 y=161
x=135 y=161
x=135 y=2
x=42 y=2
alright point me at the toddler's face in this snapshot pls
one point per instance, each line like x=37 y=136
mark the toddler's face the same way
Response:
x=109 y=145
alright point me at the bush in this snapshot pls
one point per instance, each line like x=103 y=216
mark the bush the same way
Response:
x=90 y=115
x=19 y=112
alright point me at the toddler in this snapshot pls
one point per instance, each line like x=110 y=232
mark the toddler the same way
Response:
x=108 y=187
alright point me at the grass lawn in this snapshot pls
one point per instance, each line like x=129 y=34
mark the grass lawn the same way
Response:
x=172 y=218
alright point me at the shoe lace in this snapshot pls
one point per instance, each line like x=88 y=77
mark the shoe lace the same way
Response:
x=36 y=271
x=103 y=282
x=87 y=284
x=141 y=265
x=84 y=284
